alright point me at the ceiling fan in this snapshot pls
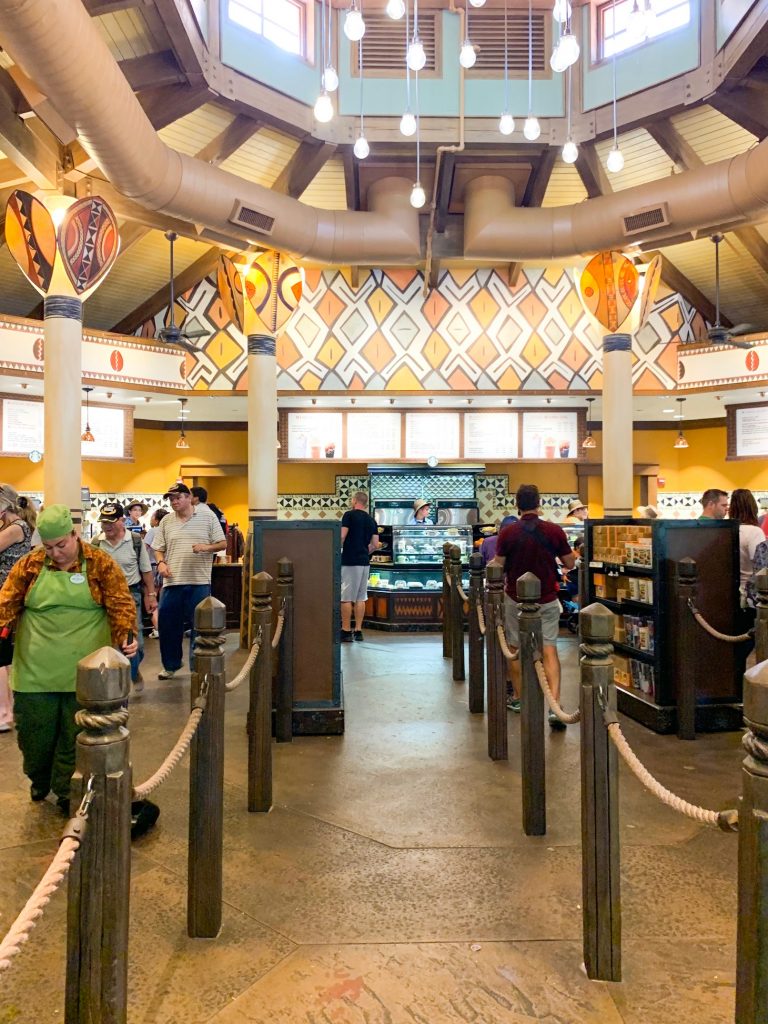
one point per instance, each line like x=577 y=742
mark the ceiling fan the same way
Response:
x=173 y=335
x=717 y=333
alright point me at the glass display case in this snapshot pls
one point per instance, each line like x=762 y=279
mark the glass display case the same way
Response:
x=423 y=545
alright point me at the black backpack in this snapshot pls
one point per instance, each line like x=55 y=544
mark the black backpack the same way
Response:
x=138 y=544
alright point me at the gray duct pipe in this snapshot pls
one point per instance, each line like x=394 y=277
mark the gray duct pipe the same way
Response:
x=58 y=45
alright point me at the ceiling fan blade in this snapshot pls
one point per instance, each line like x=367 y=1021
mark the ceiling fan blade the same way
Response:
x=743 y=329
x=740 y=344
x=195 y=334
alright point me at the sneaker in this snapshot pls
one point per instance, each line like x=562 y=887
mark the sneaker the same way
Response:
x=358 y=634
x=6 y=726
x=144 y=814
x=138 y=683
x=153 y=635
x=38 y=794
x=63 y=804
x=513 y=704
x=554 y=722
x=167 y=673
x=346 y=636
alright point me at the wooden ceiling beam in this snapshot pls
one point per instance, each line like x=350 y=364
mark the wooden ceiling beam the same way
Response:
x=678 y=282
x=229 y=141
x=513 y=274
x=443 y=191
x=739 y=105
x=187 y=279
x=539 y=179
x=98 y=7
x=152 y=70
x=591 y=171
x=755 y=244
x=40 y=162
x=11 y=176
x=305 y=164
x=167 y=104
x=39 y=105
x=671 y=142
x=351 y=179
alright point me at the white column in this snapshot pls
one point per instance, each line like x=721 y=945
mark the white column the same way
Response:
x=262 y=427
x=63 y=327
x=617 y=425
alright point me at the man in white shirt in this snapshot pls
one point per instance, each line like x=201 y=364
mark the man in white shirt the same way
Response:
x=133 y=558
x=183 y=544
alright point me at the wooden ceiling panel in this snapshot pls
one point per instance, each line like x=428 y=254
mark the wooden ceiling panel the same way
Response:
x=565 y=186
x=711 y=134
x=263 y=157
x=644 y=160
x=193 y=132
x=328 y=190
x=127 y=34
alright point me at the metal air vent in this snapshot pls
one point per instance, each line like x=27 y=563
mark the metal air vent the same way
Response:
x=643 y=220
x=247 y=217
x=486 y=30
x=384 y=45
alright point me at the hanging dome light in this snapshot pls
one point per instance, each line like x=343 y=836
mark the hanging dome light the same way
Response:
x=416 y=58
x=361 y=148
x=561 y=11
x=395 y=9
x=531 y=128
x=557 y=60
x=323 y=108
x=506 y=123
x=615 y=161
x=569 y=49
x=467 y=55
x=477 y=3
x=570 y=151
x=354 y=26
x=330 y=79
x=408 y=124
x=418 y=196
x=87 y=435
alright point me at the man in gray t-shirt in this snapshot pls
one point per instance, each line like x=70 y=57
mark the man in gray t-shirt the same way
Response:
x=183 y=544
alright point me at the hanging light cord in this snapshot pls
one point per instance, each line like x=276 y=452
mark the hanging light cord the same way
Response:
x=407 y=69
x=506 y=57
x=360 y=70
x=615 y=128
x=323 y=46
x=530 y=56
x=418 y=127
x=568 y=100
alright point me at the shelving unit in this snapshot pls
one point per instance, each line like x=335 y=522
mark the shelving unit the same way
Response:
x=631 y=568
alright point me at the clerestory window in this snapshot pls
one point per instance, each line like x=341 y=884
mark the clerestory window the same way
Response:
x=282 y=22
x=638 y=21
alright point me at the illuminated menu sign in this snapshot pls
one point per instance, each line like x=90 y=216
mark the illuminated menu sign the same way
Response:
x=550 y=435
x=432 y=433
x=23 y=430
x=752 y=432
x=490 y=435
x=373 y=435
x=314 y=435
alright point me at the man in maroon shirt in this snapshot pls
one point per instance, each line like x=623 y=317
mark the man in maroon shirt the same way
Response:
x=534 y=545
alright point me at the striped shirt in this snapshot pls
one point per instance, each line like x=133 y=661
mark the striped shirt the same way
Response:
x=174 y=537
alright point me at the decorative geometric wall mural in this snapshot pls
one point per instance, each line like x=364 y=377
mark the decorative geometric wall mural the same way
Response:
x=473 y=332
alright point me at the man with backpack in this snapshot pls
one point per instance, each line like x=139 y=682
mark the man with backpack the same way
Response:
x=534 y=545
x=130 y=552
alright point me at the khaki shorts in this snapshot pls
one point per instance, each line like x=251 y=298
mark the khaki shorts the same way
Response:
x=550 y=621
x=354 y=583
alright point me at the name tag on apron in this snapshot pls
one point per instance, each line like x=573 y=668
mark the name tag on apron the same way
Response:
x=77 y=577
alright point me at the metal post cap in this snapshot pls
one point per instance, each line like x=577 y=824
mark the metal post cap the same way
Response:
x=261 y=583
x=284 y=567
x=210 y=614
x=756 y=694
x=597 y=622
x=528 y=587
x=103 y=678
x=686 y=569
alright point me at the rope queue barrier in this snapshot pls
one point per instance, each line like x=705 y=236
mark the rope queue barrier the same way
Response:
x=180 y=748
x=279 y=626
x=475 y=637
x=456 y=607
x=34 y=908
x=462 y=594
x=245 y=671
x=568 y=718
x=741 y=638
x=480 y=617
x=509 y=654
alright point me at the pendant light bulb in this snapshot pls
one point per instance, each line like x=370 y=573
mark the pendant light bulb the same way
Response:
x=615 y=161
x=354 y=26
x=477 y=3
x=569 y=49
x=561 y=11
x=467 y=55
x=418 y=196
x=408 y=124
x=416 y=58
x=531 y=128
x=637 y=23
x=330 y=79
x=570 y=152
x=361 y=148
x=557 y=60
x=395 y=9
x=323 y=108
x=506 y=123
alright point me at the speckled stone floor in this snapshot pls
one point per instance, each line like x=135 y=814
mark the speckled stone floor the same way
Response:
x=392 y=883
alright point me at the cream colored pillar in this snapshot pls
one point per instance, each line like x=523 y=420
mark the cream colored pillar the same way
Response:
x=617 y=425
x=262 y=420
x=62 y=472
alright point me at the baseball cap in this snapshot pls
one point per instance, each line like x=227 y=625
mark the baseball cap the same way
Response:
x=177 y=489
x=111 y=512
x=54 y=521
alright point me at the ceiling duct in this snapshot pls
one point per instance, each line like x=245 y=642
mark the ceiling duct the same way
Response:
x=257 y=220
x=644 y=220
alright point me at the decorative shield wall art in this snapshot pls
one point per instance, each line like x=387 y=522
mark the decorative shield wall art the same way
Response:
x=273 y=287
x=230 y=282
x=651 y=284
x=609 y=287
x=88 y=242
x=30 y=235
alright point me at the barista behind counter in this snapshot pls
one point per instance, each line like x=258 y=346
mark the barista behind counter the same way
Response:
x=421 y=510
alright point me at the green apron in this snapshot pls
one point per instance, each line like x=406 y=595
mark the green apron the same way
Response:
x=61 y=624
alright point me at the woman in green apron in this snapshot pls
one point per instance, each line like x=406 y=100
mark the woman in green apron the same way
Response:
x=68 y=599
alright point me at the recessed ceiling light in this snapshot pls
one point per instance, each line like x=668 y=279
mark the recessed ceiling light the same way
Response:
x=667 y=410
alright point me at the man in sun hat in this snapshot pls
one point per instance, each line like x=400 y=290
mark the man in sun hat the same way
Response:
x=420 y=513
x=67 y=600
x=577 y=510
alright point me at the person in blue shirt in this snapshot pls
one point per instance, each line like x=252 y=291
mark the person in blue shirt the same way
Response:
x=420 y=515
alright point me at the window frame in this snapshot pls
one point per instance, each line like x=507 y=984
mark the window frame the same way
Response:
x=305 y=8
x=602 y=10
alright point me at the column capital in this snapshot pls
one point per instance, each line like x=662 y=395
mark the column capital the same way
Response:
x=65 y=306
x=617 y=343
x=261 y=344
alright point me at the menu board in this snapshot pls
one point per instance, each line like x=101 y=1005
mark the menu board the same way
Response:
x=752 y=431
x=23 y=430
x=373 y=435
x=432 y=433
x=490 y=435
x=550 y=435
x=314 y=435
